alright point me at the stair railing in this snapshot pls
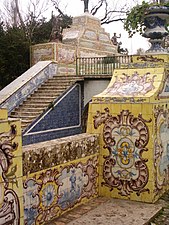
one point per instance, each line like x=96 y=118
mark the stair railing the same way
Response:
x=100 y=65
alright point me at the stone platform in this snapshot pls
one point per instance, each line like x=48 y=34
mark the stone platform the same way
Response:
x=106 y=211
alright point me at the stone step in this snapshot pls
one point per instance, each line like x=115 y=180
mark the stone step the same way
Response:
x=64 y=77
x=41 y=98
x=56 y=84
x=36 y=100
x=25 y=108
x=60 y=81
x=25 y=113
x=26 y=121
x=27 y=117
x=50 y=94
x=39 y=105
x=51 y=89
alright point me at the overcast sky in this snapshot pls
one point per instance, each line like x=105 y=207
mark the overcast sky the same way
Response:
x=76 y=7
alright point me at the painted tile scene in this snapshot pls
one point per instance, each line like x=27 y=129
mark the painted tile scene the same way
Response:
x=84 y=121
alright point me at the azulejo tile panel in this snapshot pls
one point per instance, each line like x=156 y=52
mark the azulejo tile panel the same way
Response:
x=47 y=194
x=9 y=201
x=126 y=137
x=161 y=148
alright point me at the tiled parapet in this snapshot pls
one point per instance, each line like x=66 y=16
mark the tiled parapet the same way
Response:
x=44 y=155
x=17 y=91
x=59 y=175
x=131 y=116
x=11 y=187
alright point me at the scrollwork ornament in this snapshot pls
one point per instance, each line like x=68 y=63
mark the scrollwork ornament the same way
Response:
x=125 y=137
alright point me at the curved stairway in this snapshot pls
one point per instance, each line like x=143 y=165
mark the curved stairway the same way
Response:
x=42 y=99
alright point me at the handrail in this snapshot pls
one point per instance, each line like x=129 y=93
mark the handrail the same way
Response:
x=100 y=65
x=17 y=91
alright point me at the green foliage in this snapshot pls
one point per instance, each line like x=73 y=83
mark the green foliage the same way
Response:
x=135 y=18
x=41 y=32
x=15 y=45
x=14 y=54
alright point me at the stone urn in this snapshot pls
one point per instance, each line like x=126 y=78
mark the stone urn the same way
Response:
x=155 y=20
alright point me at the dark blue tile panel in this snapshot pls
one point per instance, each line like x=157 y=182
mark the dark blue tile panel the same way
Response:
x=40 y=137
x=63 y=120
x=66 y=113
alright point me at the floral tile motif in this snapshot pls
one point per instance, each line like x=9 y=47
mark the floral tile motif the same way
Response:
x=9 y=201
x=161 y=144
x=58 y=152
x=125 y=137
x=40 y=198
x=71 y=184
x=49 y=193
x=76 y=182
x=133 y=85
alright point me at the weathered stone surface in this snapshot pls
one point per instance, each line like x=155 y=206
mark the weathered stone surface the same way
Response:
x=47 y=154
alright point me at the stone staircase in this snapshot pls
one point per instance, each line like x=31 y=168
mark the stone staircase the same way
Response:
x=42 y=98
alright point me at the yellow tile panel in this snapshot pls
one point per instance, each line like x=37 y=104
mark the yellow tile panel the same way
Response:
x=3 y=114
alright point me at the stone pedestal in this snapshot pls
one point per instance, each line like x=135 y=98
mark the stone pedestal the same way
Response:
x=131 y=116
x=90 y=38
x=85 y=38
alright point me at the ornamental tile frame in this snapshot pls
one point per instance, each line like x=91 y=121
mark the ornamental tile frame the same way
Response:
x=49 y=193
x=11 y=193
x=131 y=116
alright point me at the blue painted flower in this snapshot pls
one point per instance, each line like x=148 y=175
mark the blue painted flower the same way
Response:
x=48 y=195
x=30 y=215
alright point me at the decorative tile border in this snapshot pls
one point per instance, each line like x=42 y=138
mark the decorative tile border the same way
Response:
x=49 y=193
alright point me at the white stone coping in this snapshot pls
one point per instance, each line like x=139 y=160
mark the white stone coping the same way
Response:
x=11 y=88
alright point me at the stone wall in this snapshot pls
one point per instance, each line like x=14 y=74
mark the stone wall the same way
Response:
x=58 y=176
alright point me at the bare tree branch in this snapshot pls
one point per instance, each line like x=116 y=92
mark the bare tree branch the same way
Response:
x=97 y=7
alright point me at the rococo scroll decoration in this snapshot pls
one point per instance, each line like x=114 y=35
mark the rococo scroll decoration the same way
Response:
x=125 y=137
x=9 y=203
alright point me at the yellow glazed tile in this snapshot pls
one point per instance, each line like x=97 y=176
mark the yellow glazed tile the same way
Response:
x=147 y=109
x=149 y=154
x=90 y=107
x=95 y=107
x=18 y=187
x=18 y=142
x=104 y=106
x=17 y=165
x=4 y=126
x=21 y=220
x=115 y=108
x=126 y=106
x=136 y=109
x=149 y=198
x=89 y=128
x=21 y=207
x=17 y=123
x=3 y=114
x=90 y=118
